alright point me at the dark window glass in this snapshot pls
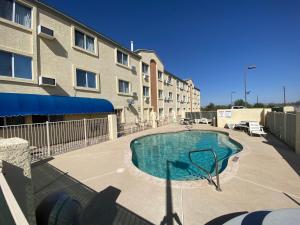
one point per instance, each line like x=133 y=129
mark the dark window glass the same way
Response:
x=79 y=39
x=22 y=15
x=56 y=118
x=80 y=78
x=23 y=67
x=39 y=119
x=15 y=120
x=119 y=57
x=89 y=43
x=125 y=59
x=6 y=9
x=5 y=64
x=91 y=79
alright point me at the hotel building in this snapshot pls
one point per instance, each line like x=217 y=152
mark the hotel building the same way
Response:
x=53 y=67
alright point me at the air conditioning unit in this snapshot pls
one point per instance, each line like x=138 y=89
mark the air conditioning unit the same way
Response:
x=146 y=98
x=47 y=81
x=146 y=76
x=166 y=98
x=165 y=82
x=45 y=32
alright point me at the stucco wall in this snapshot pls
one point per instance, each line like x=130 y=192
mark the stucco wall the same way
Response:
x=237 y=115
x=59 y=59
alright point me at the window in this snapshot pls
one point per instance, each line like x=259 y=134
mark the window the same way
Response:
x=170 y=95
x=85 y=79
x=84 y=41
x=161 y=112
x=178 y=97
x=145 y=69
x=160 y=75
x=169 y=79
x=160 y=94
x=178 y=111
x=122 y=58
x=13 y=11
x=170 y=111
x=145 y=91
x=15 y=65
x=123 y=86
x=183 y=98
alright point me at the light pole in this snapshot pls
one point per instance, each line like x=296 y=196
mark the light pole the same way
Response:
x=233 y=92
x=245 y=80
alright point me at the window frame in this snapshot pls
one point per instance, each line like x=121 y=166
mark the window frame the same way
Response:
x=146 y=96
x=97 y=80
x=123 y=53
x=12 y=65
x=162 y=94
x=143 y=73
x=162 y=75
x=170 y=96
x=129 y=88
x=13 y=14
x=85 y=33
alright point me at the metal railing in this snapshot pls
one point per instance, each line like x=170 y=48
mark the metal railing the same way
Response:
x=52 y=138
x=211 y=181
x=126 y=129
x=200 y=115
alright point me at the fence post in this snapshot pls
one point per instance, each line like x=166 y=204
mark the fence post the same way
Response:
x=112 y=126
x=85 y=132
x=284 y=126
x=48 y=138
x=297 y=147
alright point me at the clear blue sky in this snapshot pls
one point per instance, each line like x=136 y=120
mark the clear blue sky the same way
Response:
x=209 y=41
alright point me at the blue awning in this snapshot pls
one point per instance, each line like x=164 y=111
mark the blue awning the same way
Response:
x=12 y=104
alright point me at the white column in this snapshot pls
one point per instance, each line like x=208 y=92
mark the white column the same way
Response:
x=297 y=133
x=112 y=126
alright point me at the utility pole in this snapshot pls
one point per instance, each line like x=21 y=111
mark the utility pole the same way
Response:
x=284 y=100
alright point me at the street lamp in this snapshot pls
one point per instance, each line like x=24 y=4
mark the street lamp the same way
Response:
x=251 y=67
x=233 y=92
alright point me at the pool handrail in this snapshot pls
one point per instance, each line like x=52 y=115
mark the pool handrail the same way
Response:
x=218 y=187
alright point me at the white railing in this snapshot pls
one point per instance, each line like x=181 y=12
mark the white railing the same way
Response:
x=52 y=138
x=12 y=203
x=125 y=129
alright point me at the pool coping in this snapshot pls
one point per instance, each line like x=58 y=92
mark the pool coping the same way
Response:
x=228 y=173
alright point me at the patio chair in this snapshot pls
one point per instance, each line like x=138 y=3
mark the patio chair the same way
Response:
x=255 y=128
x=205 y=120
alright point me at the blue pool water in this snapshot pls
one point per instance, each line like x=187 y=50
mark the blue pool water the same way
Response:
x=166 y=155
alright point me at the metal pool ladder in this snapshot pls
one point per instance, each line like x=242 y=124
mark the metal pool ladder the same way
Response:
x=218 y=188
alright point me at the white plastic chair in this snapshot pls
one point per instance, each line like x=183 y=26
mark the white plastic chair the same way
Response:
x=255 y=128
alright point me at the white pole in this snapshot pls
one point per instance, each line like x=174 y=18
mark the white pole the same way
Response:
x=48 y=138
x=85 y=132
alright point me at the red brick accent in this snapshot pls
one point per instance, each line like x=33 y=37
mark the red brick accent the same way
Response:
x=153 y=82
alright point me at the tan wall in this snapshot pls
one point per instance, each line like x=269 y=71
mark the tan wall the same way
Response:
x=58 y=58
x=238 y=115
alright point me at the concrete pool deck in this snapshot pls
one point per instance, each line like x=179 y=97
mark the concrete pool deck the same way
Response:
x=266 y=176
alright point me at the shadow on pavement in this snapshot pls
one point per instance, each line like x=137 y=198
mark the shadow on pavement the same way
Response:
x=96 y=208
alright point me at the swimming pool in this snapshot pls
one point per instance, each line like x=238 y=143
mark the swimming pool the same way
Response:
x=166 y=155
